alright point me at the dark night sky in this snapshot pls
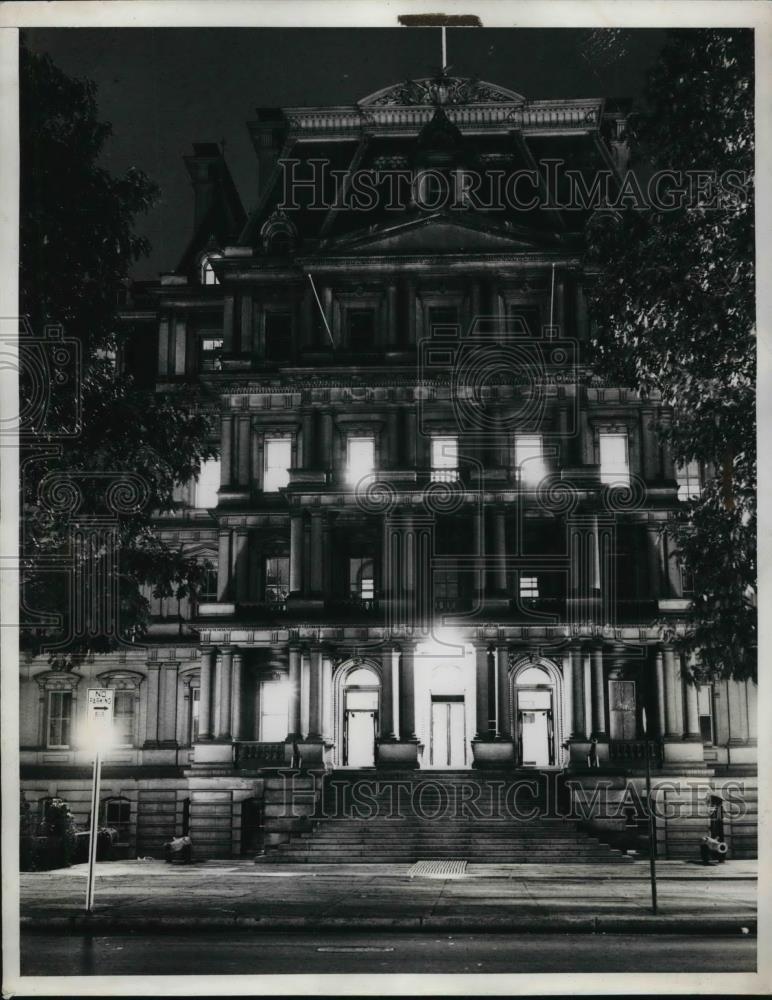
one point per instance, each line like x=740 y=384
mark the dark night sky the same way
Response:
x=163 y=89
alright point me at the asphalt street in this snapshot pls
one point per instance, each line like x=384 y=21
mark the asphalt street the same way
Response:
x=254 y=953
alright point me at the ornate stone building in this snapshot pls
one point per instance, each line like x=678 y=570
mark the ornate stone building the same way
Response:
x=437 y=542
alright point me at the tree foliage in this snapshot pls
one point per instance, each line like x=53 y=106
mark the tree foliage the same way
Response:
x=674 y=316
x=77 y=245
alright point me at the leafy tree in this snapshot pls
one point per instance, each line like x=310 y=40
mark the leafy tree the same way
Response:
x=674 y=316
x=77 y=246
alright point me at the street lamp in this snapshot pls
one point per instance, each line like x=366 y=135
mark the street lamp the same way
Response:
x=97 y=737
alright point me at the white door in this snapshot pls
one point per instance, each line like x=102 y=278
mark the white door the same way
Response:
x=448 y=734
x=534 y=727
x=360 y=738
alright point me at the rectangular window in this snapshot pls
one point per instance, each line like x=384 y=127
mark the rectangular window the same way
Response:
x=116 y=813
x=123 y=718
x=59 y=719
x=705 y=708
x=444 y=459
x=689 y=481
x=361 y=329
x=277 y=459
x=208 y=590
x=529 y=458
x=614 y=461
x=443 y=320
x=274 y=711
x=529 y=587
x=207 y=484
x=278 y=336
x=360 y=458
x=276 y=579
x=210 y=354
x=195 y=705
x=361 y=579
x=446 y=590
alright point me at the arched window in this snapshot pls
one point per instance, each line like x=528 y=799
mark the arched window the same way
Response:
x=208 y=277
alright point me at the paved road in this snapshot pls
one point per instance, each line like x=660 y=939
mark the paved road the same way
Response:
x=261 y=953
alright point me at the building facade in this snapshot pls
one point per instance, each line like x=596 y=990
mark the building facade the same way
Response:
x=436 y=540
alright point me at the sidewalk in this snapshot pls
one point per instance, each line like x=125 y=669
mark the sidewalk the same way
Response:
x=225 y=895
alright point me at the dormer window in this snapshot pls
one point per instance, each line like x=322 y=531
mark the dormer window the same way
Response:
x=208 y=277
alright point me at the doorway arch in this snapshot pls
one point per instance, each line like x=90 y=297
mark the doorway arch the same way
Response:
x=357 y=713
x=536 y=702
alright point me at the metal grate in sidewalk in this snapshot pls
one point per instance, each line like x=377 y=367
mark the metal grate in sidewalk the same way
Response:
x=438 y=869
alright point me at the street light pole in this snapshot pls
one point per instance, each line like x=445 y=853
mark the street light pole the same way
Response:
x=92 y=840
x=652 y=824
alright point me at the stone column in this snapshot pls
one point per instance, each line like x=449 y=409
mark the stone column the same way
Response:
x=223 y=695
x=237 y=697
x=504 y=721
x=317 y=558
x=244 y=424
x=587 y=665
x=326 y=449
x=327 y=727
x=661 y=696
x=500 y=548
x=483 y=721
x=568 y=695
x=410 y=436
x=478 y=552
x=168 y=708
x=242 y=563
x=308 y=440
x=674 y=724
x=738 y=712
x=294 y=693
x=296 y=552
x=387 y=696
x=692 y=714
x=226 y=448
x=653 y=560
x=223 y=564
x=673 y=570
x=391 y=316
x=151 y=719
x=315 y=696
x=205 y=693
x=598 y=695
x=649 y=445
x=407 y=694
x=577 y=675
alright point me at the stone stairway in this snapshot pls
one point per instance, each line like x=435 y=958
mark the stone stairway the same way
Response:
x=404 y=817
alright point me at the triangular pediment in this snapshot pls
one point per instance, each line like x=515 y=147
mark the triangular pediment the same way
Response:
x=441 y=89
x=439 y=234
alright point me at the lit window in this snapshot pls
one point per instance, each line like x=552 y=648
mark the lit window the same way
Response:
x=209 y=354
x=446 y=590
x=529 y=587
x=360 y=458
x=274 y=711
x=195 y=706
x=276 y=463
x=208 y=277
x=529 y=458
x=688 y=479
x=207 y=484
x=361 y=579
x=444 y=459
x=59 y=719
x=614 y=462
x=276 y=579
x=123 y=718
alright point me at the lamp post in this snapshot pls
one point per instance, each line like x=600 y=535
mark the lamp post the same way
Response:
x=99 y=720
x=650 y=812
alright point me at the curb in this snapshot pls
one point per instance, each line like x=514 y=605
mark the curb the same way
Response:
x=99 y=924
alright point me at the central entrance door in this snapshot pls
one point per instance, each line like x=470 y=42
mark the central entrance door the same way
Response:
x=534 y=716
x=361 y=728
x=448 y=736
